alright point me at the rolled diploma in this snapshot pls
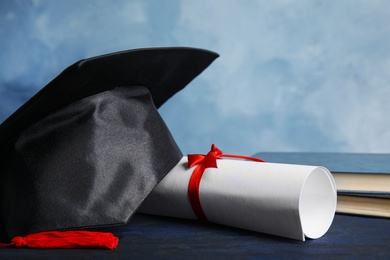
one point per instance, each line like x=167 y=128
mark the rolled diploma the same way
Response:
x=293 y=201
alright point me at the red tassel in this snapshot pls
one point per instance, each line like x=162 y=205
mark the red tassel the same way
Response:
x=66 y=239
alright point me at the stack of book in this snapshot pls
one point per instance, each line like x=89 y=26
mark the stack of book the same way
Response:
x=362 y=180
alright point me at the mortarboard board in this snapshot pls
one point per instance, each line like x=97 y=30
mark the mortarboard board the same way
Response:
x=88 y=148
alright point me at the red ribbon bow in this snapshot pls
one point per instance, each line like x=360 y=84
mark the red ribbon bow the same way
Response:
x=206 y=161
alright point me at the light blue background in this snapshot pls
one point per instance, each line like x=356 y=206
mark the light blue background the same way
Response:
x=292 y=76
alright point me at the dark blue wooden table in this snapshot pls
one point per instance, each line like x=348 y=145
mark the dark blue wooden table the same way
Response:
x=151 y=237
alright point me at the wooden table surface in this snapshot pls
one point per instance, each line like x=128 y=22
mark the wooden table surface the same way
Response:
x=152 y=237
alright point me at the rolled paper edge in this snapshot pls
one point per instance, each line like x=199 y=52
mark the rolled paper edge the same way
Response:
x=321 y=187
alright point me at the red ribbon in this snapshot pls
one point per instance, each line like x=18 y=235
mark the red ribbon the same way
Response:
x=66 y=239
x=206 y=161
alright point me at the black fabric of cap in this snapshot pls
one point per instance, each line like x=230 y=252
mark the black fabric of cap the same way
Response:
x=90 y=146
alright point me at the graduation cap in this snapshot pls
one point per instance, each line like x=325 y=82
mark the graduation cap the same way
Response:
x=88 y=148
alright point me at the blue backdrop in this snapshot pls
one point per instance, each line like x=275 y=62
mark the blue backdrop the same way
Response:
x=292 y=76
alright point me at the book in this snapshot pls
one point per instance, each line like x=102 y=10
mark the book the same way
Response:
x=362 y=179
x=363 y=205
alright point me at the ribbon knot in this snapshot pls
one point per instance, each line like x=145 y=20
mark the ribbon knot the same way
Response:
x=205 y=161
x=19 y=241
x=209 y=160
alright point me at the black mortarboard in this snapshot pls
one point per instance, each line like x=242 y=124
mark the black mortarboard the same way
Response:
x=88 y=148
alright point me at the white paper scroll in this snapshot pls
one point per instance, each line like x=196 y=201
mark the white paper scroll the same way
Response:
x=292 y=201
